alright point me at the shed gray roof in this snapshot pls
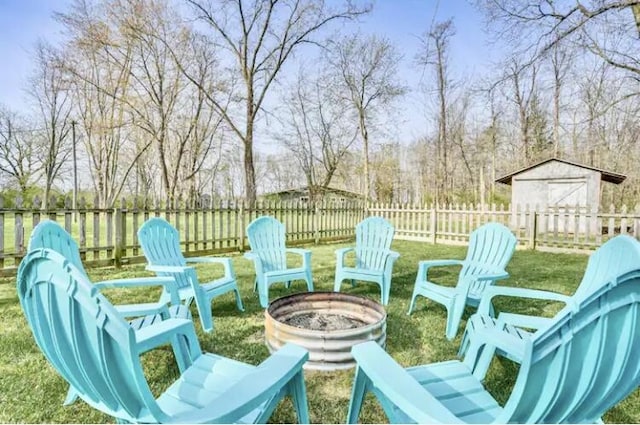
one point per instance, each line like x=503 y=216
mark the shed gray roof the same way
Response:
x=305 y=189
x=608 y=176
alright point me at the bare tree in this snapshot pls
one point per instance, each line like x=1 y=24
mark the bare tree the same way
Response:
x=19 y=159
x=560 y=59
x=607 y=28
x=53 y=110
x=137 y=53
x=262 y=36
x=318 y=129
x=438 y=57
x=523 y=89
x=367 y=67
x=98 y=65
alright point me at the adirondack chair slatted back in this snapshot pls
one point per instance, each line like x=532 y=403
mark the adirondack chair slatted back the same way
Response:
x=585 y=363
x=491 y=246
x=82 y=335
x=267 y=240
x=49 y=234
x=160 y=243
x=373 y=241
x=617 y=255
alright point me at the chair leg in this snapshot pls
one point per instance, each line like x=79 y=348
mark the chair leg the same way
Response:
x=288 y=284
x=263 y=294
x=473 y=353
x=181 y=353
x=206 y=319
x=360 y=384
x=413 y=302
x=255 y=284
x=483 y=361
x=454 y=315
x=238 y=299
x=72 y=396
x=337 y=284
x=353 y=283
x=299 y=398
x=464 y=343
x=386 y=291
x=309 y=280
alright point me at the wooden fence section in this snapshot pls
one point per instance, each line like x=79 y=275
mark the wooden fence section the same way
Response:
x=109 y=236
x=562 y=228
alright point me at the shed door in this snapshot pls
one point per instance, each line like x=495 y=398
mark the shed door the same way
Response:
x=568 y=193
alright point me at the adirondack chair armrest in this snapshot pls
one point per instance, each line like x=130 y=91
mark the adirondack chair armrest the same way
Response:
x=395 y=383
x=162 y=332
x=491 y=276
x=252 y=256
x=524 y=321
x=424 y=266
x=142 y=309
x=167 y=269
x=505 y=291
x=167 y=282
x=340 y=254
x=392 y=256
x=498 y=338
x=226 y=263
x=304 y=253
x=265 y=381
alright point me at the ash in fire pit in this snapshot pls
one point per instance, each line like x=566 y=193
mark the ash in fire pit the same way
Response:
x=323 y=321
x=327 y=324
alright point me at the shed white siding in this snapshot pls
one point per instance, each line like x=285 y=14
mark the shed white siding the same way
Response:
x=557 y=186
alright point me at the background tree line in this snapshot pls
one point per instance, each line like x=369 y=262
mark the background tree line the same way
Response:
x=167 y=100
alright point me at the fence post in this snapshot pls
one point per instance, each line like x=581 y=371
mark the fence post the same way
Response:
x=68 y=213
x=434 y=223
x=242 y=227
x=19 y=231
x=120 y=243
x=533 y=230
x=316 y=219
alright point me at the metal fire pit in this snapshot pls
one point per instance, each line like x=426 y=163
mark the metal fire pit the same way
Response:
x=327 y=324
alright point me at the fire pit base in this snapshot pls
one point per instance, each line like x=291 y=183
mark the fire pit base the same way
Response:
x=327 y=324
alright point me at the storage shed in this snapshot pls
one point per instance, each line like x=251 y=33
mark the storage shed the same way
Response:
x=558 y=185
x=303 y=194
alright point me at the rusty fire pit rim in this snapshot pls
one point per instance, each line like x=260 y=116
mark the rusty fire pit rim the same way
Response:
x=368 y=302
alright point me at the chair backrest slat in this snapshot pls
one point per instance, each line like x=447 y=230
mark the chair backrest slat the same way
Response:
x=49 y=234
x=491 y=246
x=160 y=243
x=586 y=362
x=267 y=240
x=83 y=336
x=373 y=241
x=617 y=255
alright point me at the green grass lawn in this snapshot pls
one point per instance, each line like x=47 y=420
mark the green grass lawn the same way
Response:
x=32 y=392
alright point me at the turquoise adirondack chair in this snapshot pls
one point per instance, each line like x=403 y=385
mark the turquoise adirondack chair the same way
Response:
x=160 y=243
x=506 y=334
x=95 y=350
x=269 y=255
x=374 y=257
x=572 y=371
x=49 y=234
x=491 y=246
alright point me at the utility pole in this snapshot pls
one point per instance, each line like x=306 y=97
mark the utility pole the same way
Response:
x=75 y=172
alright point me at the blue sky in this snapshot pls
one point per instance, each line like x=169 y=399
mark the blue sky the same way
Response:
x=23 y=22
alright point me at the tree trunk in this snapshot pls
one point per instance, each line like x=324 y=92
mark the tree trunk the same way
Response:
x=365 y=156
